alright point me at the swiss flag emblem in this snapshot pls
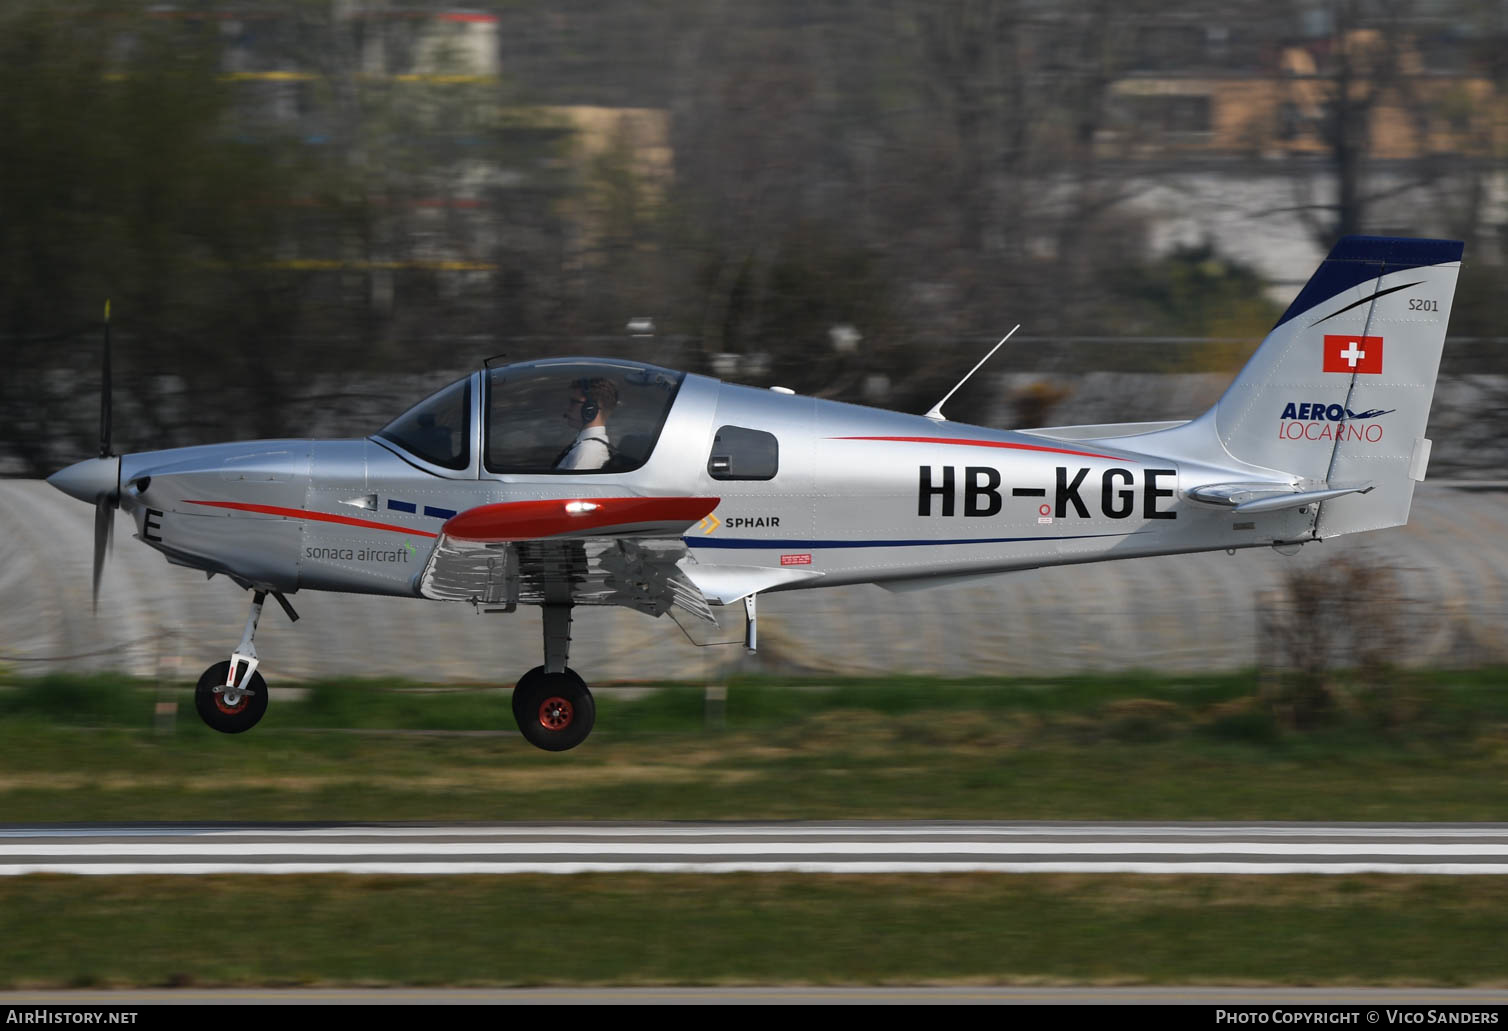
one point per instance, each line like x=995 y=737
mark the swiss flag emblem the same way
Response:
x=1353 y=354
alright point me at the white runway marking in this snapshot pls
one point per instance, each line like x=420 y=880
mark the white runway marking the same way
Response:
x=736 y=848
x=890 y=830
x=848 y=848
x=384 y=867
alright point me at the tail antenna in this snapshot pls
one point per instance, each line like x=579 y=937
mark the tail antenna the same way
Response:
x=935 y=412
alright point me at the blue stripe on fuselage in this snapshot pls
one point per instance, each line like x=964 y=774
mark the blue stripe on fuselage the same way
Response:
x=787 y=545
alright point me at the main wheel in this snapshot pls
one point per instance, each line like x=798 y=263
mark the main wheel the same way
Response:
x=229 y=712
x=531 y=679
x=554 y=711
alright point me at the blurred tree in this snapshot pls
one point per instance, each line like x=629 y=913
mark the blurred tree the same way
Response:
x=121 y=177
x=271 y=201
x=1194 y=292
x=942 y=155
x=1388 y=97
x=617 y=267
x=1322 y=658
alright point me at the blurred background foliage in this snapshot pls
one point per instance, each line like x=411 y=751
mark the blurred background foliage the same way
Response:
x=309 y=212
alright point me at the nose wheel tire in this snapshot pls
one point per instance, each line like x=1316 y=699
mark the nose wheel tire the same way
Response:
x=554 y=711
x=230 y=710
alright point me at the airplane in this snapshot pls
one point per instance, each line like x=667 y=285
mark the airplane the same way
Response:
x=590 y=481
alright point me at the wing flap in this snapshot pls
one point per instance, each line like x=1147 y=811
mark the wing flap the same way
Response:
x=727 y=584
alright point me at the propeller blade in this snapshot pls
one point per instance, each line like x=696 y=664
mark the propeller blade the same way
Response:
x=104 y=394
x=104 y=530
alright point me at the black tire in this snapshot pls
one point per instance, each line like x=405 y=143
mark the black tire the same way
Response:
x=524 y=682
x=226 y=719
x=554 y=711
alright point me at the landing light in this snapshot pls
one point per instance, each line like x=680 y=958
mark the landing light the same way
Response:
x=581 y=507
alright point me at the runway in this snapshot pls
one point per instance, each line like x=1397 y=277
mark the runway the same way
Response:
x=825 y=848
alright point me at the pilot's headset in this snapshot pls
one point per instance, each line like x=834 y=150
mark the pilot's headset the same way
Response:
x=589 y=407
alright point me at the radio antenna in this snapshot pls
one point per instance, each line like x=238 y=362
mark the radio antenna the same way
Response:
x=935 y=412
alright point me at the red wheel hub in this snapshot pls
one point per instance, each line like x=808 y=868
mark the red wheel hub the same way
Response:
x=556 y=713
x=230 y=710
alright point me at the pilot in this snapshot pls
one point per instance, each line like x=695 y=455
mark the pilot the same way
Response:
x=591 y=402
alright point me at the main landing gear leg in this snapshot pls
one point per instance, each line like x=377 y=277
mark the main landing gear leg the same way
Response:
x=551 y=704
x=751 y=623
x=232 y=696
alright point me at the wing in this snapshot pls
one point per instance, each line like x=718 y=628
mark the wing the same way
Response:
x=582 y=551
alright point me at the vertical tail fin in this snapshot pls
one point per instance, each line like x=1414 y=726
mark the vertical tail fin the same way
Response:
x=1339 y=392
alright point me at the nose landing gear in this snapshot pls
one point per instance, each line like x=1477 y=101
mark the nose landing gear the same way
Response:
x=231 y=696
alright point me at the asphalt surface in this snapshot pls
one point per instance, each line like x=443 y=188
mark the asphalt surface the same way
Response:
x=849 y=848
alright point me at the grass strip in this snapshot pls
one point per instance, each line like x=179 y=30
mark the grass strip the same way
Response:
x=81 y=750
x=633 y=929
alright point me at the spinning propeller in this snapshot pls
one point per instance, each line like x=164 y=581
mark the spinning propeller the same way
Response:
x=105 y=501
x=97 y=479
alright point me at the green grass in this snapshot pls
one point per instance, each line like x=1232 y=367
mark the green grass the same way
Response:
x=773 y=929
x=1144 y=747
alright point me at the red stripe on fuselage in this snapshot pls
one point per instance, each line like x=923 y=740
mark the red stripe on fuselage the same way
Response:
x=318 y=517
x=992 y=443
x=530 y=520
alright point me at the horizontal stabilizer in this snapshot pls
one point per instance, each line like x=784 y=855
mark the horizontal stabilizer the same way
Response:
x=1103 y=431
x=1299 y=500
x=1247 y=498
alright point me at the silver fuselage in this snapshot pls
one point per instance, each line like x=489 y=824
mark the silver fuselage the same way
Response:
x=861 y=495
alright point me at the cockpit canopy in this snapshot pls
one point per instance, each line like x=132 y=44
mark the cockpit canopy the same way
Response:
x=437 y=429
x=537 y=412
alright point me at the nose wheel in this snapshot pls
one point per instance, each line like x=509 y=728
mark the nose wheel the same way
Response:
x=230 y=710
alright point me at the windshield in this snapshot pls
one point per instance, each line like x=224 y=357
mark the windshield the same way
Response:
x=437 y=429
x=575 y=415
